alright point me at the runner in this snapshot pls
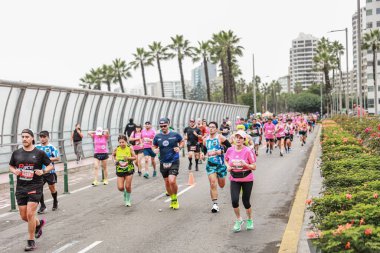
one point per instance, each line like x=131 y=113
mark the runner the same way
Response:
x=192 y=134
x=240 y=162
x=303 y=131
x=138 y=147
x=26 y=163
x=215 y=167
x=225 y=129
x=269 y=129
x=255 y=133
x=168 y=144
x=129 y=128
x=51 y=177
x=147 y=136
x=100 y=138
x=76 y=140
x=123 y=157
x=289 y=131
x=280 y=135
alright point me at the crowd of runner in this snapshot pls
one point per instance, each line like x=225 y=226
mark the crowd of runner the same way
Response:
x=229 y=148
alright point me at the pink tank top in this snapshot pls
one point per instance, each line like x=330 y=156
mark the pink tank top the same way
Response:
x=100 y=144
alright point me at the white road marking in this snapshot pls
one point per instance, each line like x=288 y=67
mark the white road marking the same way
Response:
x=66 y=246
x=181 y=192
x=90 y=247
x=162 y=195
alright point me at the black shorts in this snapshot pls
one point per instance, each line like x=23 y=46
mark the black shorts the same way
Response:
x=173 y=170
x=303 y=133
x=280 y=138
x=101 y=156
x=50 y=178
x=124 y=174
x=193 y=148
x=140 y=151
x=289 y=137
x=23 y=197
x=269 y=140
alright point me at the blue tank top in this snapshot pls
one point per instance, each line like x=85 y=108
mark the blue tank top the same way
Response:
x=214 y=145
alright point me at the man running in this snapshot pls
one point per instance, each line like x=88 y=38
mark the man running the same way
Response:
x=51 y=177
x=168 y=144
x=225 y=129
x=289 y=131
x=215 y=167
x=26 y=163
x=192 y=134
x=147 y=136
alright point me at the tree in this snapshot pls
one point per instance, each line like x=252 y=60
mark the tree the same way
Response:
x=120 y=71
x=159 y=53
x=298 y=88
x=107 y=75
x=96 y=78
x=142 y=59
x=202 y=53
x=304 y=102
x=181 y=48
x=338 y=50
x=314 y=89
x=371 y=41
x=87 y=81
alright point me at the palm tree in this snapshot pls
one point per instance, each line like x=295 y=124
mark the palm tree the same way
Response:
x=265 y=90
x=159 y=53
x=202 y=52
x=338 y=50
x=181 y=48
x=107 y=75
x=96 y=78
x=121 y=71
x=371 y=41
x=87 y=81
x=142 y=59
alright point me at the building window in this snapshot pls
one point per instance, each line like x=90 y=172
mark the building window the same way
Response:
x=370 y=88
x=377 y=10
x=370 y=103
x=369 y=25
x=369 y=1
x=369 y=12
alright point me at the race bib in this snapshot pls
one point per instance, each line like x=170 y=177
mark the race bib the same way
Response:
x=27 y=173
x=237 y=164
x=123 y=164
x=270 y=131
x=255 y=131
x=167 y=165
x=211 y=153
x=193 y=148
x=147 y=140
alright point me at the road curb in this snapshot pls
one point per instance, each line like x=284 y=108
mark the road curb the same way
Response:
x=291 y=235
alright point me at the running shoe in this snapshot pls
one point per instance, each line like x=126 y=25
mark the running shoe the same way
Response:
x=267 y=150
x=146 y=175
x=38 y=232
x=196 y=167
x=154 y=173
x=270 y=152
x=281 y=154
x=249 y=225
x=42 y=209
x=237 y=226
x=167 y=194
x=128 y=203
x=105 y=181
x=95 y=183
x=215 y=208
x=30 y=246
x=190 y=165
x=55 y=206
x=200 y=161
x=139 y=173
x=175 y=204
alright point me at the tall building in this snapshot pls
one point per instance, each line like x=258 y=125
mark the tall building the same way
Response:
x=355 y=52
x=198 y=74
x=372 y=22
x=301 y=61
x=284 y=81
x=172 y=89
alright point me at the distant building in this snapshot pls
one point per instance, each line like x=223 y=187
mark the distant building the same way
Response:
x=284 y=81
x=198 y=74
x=172 y=89
x=136 y=91
x=301 y=68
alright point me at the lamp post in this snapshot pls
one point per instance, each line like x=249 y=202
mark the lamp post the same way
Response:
x=347 y=82
x=254 y=86
x=358 y=23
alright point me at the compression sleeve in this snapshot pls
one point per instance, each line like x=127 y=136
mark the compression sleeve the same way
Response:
x=227 y=143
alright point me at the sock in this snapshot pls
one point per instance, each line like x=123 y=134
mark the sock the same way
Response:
x=191 y=160
x=54 y=195
x=127 y=196
x=196 y=161
x=42 y=200
x=215 y=201
x=173 y=197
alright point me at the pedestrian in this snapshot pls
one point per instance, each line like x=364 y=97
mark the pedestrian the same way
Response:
x=124 y=156
x=26 y=163
x=129 y=128
x=76 y=140
x=168 y=144
x=100 y=138
x=51 y=177
x=240 y=161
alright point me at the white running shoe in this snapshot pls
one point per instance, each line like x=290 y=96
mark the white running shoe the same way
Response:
x=215 y=208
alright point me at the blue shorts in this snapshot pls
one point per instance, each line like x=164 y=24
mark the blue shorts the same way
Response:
x=149 y=152
x=219 y=169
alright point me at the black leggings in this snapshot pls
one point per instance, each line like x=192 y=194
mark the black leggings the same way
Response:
x=235 y=193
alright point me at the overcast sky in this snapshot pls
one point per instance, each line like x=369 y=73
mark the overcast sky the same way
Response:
x=56 y=43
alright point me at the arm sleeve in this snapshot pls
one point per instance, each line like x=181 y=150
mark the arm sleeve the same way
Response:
x=204 y=149
x=45 y=159
x=226 y=143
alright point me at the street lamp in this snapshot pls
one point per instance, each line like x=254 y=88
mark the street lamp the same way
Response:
x=254 y=86
x=346 y=93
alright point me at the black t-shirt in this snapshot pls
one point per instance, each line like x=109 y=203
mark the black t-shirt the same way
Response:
x=28 y=162
x=225 y=129
x=192 y=140
x=77 y=136
x=255 y=130
x=129 y=128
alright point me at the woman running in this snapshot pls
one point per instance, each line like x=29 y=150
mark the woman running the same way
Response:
x=240 y=161
x=138 y=147
x=124 y=156
x=100 y=138
x=280 y=135
x=289 y=131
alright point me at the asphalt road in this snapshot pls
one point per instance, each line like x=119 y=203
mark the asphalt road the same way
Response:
x=94 y=219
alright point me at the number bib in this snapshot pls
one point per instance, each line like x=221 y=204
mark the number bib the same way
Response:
x=27 y=173
x=167 y=165
x=193 y=148
x=237 y=164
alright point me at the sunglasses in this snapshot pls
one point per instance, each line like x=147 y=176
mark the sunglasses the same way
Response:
x=162 y=126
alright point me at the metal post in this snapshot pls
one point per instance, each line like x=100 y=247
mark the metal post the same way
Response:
x=254 y=86
x=12 y=193
x=321 y=88
x=65 y=179
x=347 y=82
x=359 y=59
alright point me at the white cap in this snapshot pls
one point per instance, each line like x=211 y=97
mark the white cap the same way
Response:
x=99 y=131
x=241 y=133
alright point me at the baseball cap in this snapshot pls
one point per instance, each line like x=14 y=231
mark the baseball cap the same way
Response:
x=163 y=121
x=240 y=127
x=148 y=122
x=44 y=133
x=241 y=133
x=99 y=131
x=192 y=120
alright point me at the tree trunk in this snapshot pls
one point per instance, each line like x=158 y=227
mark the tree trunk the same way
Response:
x=160 y=73
x=121 y=83
x=143 y=77
x=231 y=83
x=182 y=78
x=374 y=66
x=225 y=84
x=207 y=79
x=108 y=85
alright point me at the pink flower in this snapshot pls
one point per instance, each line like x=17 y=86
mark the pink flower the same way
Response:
x=348 y=245
x=345 y=140
x=368 y=129
x=378 y=127
x=309 y=201
x=368 y=231
x=348 y=196
x=375 y=195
